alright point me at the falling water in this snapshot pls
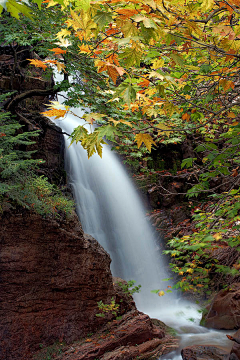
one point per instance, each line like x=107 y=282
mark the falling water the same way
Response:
x=110 y=210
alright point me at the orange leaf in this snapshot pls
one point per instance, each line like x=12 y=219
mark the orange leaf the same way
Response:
x=144 y=83
x=112 y=72
x=186 y=116
x=38 y=63
x=58 y=51
x=55 y=112
x=112 y=31
x=231 y=114
x=113 y=59
x=84 y=48
x=126 y=12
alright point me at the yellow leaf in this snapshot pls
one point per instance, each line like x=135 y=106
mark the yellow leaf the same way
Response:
x=208 y=4
x=157 y=63
x=156 y=75
x=63 y=33
x=60 y=66
x=57 y=105
x=146 y=139
x=84 y=48
x=164 y=129
x=161 y=293
x=120 y=122
x=231 y=115
x=217 y=236
x=52 y=3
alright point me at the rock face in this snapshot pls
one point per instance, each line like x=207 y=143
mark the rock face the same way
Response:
x=224 y=311
x=52 y=276
x=134 y=336
x=204 y=352
x=235 y=351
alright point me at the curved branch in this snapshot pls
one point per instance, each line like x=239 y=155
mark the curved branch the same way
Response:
x=27 y=94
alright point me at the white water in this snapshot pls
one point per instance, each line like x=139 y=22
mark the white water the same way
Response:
x=110 y=210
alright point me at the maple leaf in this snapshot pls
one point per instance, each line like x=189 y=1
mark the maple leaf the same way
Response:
x=63 y=33
x=15 y=8
x=84 y=48
x=147 y=22
x=57 y=105
x=117 y=122
x=38 y=63
x=93 y=144
x=112 y=70
x=113 y=59
x=146 y=139
x=164 y=129
x=144 y=83
x=108 y=131
x=132 y=56
x=58 y=51
x=127 y=13
x=78 y=134
x=128 y=28
x=208 y=4
x=60 y=66
x=102 y=18
x=55 y=112
x=93 y=117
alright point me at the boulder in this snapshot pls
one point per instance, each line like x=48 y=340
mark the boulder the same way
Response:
x=235 y=351
x=204 y=352
x=123 y=298
x=133 y=336
x=224 y=311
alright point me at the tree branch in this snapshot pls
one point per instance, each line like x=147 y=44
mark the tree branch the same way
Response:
x=10 y=106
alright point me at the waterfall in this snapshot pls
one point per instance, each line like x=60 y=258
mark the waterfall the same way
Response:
x=110 y=210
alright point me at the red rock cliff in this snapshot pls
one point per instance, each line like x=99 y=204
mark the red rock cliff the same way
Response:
x=51 y=278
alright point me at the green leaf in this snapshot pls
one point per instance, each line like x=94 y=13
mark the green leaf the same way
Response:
x=127 y=91
x=78 y=134
x=187 y=162
x=178 y=59
x=102 y=18
x=147 y=22
x=15 y=8
x=108 y=131
x=83 y=4
x=132 y=56
x=38 y=2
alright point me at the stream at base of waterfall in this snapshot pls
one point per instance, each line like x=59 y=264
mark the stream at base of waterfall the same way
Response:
x=110 y=210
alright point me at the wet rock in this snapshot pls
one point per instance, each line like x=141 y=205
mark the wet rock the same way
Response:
x=224 y=311
x=235 y=351
x=204 y=352
x=134 y=336
x=52 y=276
x=123 y=298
